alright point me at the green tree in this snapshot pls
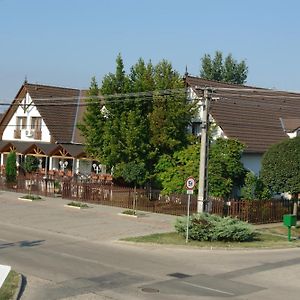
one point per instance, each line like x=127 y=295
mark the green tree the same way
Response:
x=135 y=173
x=225 y=170
x=171 y=112
x=254 y=188
x=31 y=164
x=142 y=116
x=172 y=171
x=228 y=70
x=11 y=167
x=280 y=167
x=92 y=127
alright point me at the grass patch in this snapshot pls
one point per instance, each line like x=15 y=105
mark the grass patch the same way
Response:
x=264 y=239
x=281 y=230
x=9 y=286
x=129 y=212
x=78 y=204
x=32 y=197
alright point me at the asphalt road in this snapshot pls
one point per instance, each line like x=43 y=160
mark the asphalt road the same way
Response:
x=60 y=262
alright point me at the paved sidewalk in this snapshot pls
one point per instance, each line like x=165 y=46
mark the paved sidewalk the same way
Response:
x=99 y=223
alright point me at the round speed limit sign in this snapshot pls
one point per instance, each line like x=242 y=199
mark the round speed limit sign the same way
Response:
x=190 y=183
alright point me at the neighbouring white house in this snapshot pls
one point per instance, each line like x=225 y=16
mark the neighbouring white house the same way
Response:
x=257 y=117
x=42 y=121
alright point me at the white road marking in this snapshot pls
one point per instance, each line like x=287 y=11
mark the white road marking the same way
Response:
x=207 y=288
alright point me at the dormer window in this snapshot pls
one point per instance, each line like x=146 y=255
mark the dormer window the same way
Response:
x=36 y=127
x=21 y=123
x=36 y=123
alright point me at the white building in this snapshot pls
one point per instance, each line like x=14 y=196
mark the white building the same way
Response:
x=255 y=116
x=42 y=121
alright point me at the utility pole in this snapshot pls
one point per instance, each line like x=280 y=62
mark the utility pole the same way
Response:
x=202 y=189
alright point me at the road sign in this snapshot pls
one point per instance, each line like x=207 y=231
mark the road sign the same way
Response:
x=190 y=183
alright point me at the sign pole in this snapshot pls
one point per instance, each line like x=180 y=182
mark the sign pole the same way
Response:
x=188 y=219
x=189 y=184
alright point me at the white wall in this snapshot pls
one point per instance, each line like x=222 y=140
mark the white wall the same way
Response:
x=252 y=162
x=32 y=111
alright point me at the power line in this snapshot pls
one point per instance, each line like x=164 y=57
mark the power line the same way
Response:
x=105 y=97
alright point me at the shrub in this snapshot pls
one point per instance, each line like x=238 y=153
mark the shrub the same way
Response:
x=11 y=168
x=78 y=204
x=31 y=164
x=32 y=197
x=206 y=227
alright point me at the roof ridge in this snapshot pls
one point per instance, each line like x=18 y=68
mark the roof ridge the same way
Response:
x=226 y=83
x=50 y=86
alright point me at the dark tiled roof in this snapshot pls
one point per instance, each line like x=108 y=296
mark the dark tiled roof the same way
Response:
x=47 y=148
x=77 y=136
x=58 y=107
x=250 y=114
x=291 y=125
x=73 y=149
x=18 y=145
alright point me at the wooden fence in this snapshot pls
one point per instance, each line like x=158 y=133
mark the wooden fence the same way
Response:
x=33 y=184
x=256 y=212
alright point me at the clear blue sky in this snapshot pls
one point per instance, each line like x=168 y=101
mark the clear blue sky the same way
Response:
x=66 y=42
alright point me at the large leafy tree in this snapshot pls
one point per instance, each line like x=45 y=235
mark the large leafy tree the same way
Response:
x=280 y=167
x=172 y=170
x=225 y=170
x=143 y=117
x=92 y=126
x=171 y=113
x=225 y=70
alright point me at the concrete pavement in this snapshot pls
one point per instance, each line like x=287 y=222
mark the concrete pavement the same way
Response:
x=97 y=223
x=70 y=254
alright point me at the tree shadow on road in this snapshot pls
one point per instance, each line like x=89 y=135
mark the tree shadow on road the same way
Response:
x=22 y=244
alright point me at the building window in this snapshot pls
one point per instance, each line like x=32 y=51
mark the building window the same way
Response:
x=36 y=123
x=21 y=123
x=196 y=128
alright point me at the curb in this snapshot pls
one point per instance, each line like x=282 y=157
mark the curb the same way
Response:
x=24 y=199
x=127 y=215
x=20 y=288
x=75 y=207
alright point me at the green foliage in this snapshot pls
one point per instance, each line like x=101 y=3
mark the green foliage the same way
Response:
x=172 y=171
x=11 y=167
x=254 y=188
x=123 y=128
x=228 y=70
x=31 y=164
x=206 y=227
x=32 y=197
x=78 y=204
x=225 y=169
x=280 y=167
x=132 y=172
